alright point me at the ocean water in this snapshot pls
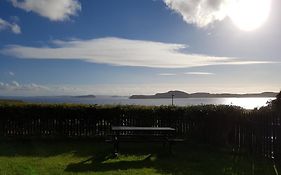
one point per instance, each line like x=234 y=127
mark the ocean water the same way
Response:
x=247 y=103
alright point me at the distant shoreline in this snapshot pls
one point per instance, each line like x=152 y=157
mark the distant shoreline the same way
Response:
x=85 y=96
x=181 y=94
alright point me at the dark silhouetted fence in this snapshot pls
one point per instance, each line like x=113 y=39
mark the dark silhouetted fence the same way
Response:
x=258 y=131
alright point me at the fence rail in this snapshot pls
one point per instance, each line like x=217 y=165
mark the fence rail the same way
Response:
x=258 y=131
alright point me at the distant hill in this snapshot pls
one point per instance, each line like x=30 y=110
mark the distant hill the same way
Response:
x=177 y=94
x=85 y=96
x=181 y=94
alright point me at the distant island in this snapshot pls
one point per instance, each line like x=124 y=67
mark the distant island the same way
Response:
x=181 y=94
x=85 y=96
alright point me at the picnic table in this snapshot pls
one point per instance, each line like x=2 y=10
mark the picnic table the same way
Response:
x=166 y=135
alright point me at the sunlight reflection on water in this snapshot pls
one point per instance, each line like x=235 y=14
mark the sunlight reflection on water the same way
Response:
x=247 y=103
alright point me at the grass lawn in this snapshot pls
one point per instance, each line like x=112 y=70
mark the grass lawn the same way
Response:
x=89 y=157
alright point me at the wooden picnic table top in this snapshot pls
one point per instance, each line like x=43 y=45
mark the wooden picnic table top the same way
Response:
x=135 y=128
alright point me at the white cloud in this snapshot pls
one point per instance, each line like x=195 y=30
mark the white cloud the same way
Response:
x=55 y=10
x=200 y=12
x=246 y=14
x=11 y=73
x=198 y=73
x=16 y=28
x=122 y=52
x=15 y=86
x=166 y=74
x=5 y=25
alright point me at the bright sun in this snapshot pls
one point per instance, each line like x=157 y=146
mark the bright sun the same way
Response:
x=249 y=14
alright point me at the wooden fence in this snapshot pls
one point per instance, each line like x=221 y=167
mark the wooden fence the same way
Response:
x=259 y=132
x=256 y=131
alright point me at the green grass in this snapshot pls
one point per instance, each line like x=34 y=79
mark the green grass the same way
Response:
x=89 y=157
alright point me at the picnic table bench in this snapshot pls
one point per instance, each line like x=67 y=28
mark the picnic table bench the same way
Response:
x=166 y=135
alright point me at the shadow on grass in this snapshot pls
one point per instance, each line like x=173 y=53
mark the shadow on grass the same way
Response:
x=98 y=165
x=185 y=160
x=133 y=156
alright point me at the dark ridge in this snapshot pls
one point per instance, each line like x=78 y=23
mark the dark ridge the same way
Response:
x=181 y=94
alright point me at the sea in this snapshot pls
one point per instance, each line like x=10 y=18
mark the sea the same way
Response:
x=247 y=103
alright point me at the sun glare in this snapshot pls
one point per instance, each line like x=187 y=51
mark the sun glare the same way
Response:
x=249 y=15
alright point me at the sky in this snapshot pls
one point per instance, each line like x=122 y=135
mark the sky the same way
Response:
x=126 y=47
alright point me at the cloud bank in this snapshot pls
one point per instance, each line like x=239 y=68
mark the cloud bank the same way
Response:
x=198 y=73
x=166 y=74
x=122 y=52
x=5 y=25
x=200 y=12
x=131 y=89
x=15 y=86
x=55 y=10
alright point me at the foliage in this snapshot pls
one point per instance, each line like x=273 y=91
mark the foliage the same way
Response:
x=275 y=105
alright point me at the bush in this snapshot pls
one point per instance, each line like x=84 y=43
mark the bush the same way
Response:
x=275 y=105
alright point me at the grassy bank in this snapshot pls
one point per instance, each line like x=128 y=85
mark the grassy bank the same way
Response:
x=88 y=157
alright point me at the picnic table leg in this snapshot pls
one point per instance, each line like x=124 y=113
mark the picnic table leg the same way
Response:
x=116 y=145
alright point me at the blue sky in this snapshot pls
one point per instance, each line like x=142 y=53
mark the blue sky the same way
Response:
x=114 y=47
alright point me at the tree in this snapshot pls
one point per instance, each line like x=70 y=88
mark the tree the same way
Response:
x=276 y=104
